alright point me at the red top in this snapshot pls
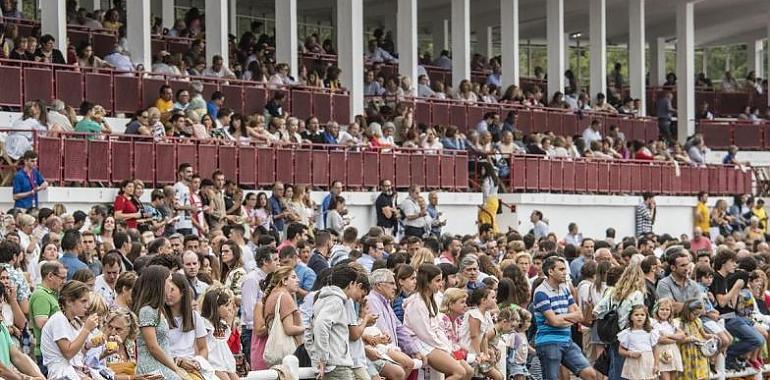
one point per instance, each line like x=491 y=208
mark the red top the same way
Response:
x=125 y=205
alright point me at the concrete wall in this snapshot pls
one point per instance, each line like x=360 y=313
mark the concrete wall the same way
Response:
x=593 y=213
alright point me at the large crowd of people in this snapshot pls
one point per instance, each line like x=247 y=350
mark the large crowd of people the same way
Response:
x=208 y=281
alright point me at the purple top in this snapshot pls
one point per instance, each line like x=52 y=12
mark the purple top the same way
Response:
x=390 y=325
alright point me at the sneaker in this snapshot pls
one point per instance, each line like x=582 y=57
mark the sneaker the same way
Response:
x=733 y=366
x=755 y=363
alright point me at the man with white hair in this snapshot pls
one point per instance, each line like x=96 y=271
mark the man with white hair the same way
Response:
x=379 y=300
x=120 y=59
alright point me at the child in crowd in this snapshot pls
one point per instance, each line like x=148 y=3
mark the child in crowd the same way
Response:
x=669 y=358
x=474 y=331
x=218 y=311
x=519 y=348
x=504 y=323
x=638 y=345
x=704 y=276
x=695 y=365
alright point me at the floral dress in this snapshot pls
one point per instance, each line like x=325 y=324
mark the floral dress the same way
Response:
x=146 y=363
x=695 y=365
x=451 y=328
x=234 y=280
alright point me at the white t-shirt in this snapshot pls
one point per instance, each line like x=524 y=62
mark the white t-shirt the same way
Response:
x=183 y=343
x=247 y=256
x=465 y=332
x=356 y=346
x=57 y=328
x=182 y=196
x=638 y=340
x=103 y=289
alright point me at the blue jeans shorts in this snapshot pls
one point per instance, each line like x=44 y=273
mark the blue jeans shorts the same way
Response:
x=552 y=356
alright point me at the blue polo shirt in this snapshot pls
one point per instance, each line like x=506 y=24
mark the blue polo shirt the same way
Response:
x=23 y=183
x=72 y=263
x=276 y=208
x=558 y=300
x=305 y=275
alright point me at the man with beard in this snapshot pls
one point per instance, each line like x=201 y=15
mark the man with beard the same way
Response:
x=385 y=205
x=651 y=268
x=678 y=285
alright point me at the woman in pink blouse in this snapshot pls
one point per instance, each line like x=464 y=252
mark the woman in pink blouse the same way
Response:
x=453 y=308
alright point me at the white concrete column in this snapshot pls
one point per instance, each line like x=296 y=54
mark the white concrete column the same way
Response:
x=555 y=34
x=705 y=62
x=509 y=32
x=286 y=34
x=168 y=15
x=685 y=69
x=216 y=31
x=484 y=40
x=138 y=32
x=598 y=30
x=636 y=53
x=440 y=31
x=232 y=15
x=350 y=44
x=567 y=41
x=461 y=41
x=91 y=5
x=53 y=21
x=407 y=41
x=755 y=57
x=657 y=61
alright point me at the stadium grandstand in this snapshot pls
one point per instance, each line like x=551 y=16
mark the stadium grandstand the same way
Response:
x=420 y=189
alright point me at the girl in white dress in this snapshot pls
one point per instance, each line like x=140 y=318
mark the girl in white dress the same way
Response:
x=477 y=329
x=218 y=311
x=669 y=357
x=637 y=345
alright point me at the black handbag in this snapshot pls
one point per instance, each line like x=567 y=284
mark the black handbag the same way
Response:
x=607 y=326
x=602 y=363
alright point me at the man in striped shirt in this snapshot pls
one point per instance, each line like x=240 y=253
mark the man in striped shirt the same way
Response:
x=555 y=313
x=645 y=214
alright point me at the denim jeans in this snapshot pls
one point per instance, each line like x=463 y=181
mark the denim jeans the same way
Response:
x=748 y=337
x=616 y=361
x=246 y=344
x=553 y=356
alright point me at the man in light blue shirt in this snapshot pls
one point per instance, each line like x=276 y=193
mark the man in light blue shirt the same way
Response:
x=373 y=250
x=306 y=276
x=540 y=228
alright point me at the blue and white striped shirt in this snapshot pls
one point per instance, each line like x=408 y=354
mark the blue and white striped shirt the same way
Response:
x=557 y=300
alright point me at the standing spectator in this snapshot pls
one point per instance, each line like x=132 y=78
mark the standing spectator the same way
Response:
x=251 y=296
x=125 y=206
x=28 y=182
x=573 y=236
x=414 y=215
x=281 y=288
x=183 y=199
x=334 y=217
x=385 y=207
x=555 y=313
x=191 y=267
x=334 y=190
x=591 y=133
x=322 y=252
x=586 y=254
x=306 y=276
x=645 y=214
x=665 y=112
x=47 y=53
x=702 y=212
x=434 y=214
x=277 y=209
x=678 y=286
x=539 y=227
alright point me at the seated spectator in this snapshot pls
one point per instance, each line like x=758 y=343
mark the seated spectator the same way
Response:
x=218 y=69
x=439 y=91
x=182 y=100
x=274 y=107
x=93 y=121
x=165 y=101
x=19 y=51
x=372 y=87
x=506 y=145
x=256 y=129
x=332 y=80
x=465 y=92
x=312 y=45
x=388 y=132
x=202 y=128
x=375 y=54
x=431 y=143
x=153 y=127
x=47 y=53
x=9 y=9
x=217 y=101
x=443 y=61
x=87 y=59
x=313 y=133
x=423 y=87
x=83 y=18
x=729 y=84
x=119 y=59
x=281 y=76
x=486 y=94
x=453 y=140
x=23 y=130
x=697 y=151
x=332 y=133
x=591 y=133
x=628 y=107
x=141 y=118
x=61 y=117
x=255 y=71
x=314 y=80
x=558 y=101
x=704 y=113
x=602 y=105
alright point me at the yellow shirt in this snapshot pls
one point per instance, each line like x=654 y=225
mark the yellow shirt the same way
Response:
x=164 y=106
x=762 y=215
x=702 y=210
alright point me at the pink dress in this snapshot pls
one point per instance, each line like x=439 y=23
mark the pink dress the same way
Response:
x=257 y=352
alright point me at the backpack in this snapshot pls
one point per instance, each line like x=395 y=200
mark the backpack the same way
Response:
x=607 y=325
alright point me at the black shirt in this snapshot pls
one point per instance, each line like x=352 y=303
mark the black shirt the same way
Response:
x=317 y=262
x=651 y=297
x=56 y=56
x=721 y=286
x=384 y=200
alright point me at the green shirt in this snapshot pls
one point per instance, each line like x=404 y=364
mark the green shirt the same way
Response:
x=43 y=303
x=5 y=346
x=88 y=126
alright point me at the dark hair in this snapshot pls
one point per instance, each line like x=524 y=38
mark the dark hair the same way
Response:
x=8 y=251
x=342 y=276
x=119 y=238
x=549 y=263
x=70 y=240
x=125 y=280
x=703 y=270
x=263 y=254
x=83 y=275
x=447 y=270
x=49 y=267
x=287 y=252
x=150 y=290
x=295 y=229
x=647 y=326
x=722 y=257
x=180 y=281
x=154 y=246
x=425 y=274
x=111 y=258
x=476 y=295
x=397 y=259
x=648 y=263
x=212 y=300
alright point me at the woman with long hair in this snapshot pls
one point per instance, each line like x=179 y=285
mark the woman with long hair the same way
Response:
x=66 y=332
x=187 y=332
x=152 y=343
x=124 y=285
x=125 y=207
x=232 y=268
x=628 y=292
x=263 y=217
x=105 y=236
x=297 y=205
x=280 y=286
x=421 y=316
